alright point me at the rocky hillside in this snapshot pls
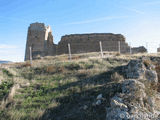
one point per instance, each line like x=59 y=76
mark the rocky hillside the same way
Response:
x=86 y=88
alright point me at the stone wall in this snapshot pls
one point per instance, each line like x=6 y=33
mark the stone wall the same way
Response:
x=82 y=43
x=140 y=49
x=40 y=39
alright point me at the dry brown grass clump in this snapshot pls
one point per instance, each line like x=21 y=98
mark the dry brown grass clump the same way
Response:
x=26 y=64
x=147 y=63
x=76 y=57
x=117 y=54
x=54 y=69
x=115 y=77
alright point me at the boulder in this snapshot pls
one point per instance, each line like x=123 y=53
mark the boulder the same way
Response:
x=135 y=102
x=99 y=102
x=135 y=69
x=99 y=97
x=134 y=88
x=151 y=76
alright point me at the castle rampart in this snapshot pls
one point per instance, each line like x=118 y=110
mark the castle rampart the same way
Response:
x=40 y=39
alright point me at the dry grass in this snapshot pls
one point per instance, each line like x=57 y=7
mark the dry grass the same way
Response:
x=157 y=101
x=61 y=87
x=27 y=64
x=147 y=63
x=54 y=69
x=116 y=77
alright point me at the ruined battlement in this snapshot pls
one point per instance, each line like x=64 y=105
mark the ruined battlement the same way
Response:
x=37 y=27
x=40 y=39
x=94 y=36
x=83 y=43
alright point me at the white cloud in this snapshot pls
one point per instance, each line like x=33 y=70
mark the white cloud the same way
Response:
x=137 y=11
x=134 y=10
x=95 y=20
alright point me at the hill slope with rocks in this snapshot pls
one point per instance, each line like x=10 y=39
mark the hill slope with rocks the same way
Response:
x=117 y=87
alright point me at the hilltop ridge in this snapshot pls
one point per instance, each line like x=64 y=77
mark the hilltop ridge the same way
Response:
x=59 y=89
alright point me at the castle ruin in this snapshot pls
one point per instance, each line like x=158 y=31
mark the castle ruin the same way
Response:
x=40 y=39
x=158 y=49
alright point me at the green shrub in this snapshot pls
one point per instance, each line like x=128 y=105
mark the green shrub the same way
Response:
x=72 y=66
x=88 y=66
x=28 y=75
x=5 y=88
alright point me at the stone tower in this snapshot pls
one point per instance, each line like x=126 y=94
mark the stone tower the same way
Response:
x=40 y=39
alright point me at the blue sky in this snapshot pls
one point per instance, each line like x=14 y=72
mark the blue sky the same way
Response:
x=137 y=20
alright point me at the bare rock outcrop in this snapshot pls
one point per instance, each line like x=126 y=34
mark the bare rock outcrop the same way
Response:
x=137 y=99
x=136 y=69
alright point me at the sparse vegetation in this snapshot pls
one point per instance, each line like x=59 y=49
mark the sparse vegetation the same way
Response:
x=147 y=63
x=53 y=87
x=5 y=71
x=150 y=89
x=5 y=88
x=116 y=77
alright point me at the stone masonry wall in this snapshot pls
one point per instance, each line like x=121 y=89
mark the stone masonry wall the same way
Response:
x=158 y=49
x=82 y=43
x=140 y=49
x=40 y=39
